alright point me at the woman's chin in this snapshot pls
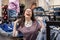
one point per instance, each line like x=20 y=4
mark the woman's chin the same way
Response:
x=27 y=17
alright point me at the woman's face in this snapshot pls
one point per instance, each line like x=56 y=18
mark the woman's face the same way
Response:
x=28 y=13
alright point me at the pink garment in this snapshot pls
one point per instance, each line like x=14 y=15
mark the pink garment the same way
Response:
x=30 y=33
x=14 y=5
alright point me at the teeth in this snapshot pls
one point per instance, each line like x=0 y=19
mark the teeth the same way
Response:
x=28 y=14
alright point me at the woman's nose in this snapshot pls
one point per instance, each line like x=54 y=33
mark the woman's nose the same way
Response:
x=28 y=11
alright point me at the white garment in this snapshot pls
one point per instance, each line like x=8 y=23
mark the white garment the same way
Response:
x=28 y=24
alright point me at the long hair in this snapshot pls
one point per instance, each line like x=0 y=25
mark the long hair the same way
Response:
x=22 y=21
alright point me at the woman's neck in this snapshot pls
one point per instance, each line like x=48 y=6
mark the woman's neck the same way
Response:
x=28 y=22
x=27 y=19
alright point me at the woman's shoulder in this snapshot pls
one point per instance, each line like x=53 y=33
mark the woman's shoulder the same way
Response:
x=35 y=22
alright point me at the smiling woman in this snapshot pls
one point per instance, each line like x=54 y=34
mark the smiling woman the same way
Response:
x=28 y=26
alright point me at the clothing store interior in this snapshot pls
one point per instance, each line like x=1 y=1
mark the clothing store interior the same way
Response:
x=29 y=19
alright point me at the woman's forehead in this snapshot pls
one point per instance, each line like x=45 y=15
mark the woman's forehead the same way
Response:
x=28 y=9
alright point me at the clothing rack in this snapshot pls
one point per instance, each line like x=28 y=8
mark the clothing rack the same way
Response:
x=50 y=23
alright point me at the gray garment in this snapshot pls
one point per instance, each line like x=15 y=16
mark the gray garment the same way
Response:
x=2 y=32
x=58 y=37
x=5 y=38
x=5 y=35
x=54 y=33
x=42 y=35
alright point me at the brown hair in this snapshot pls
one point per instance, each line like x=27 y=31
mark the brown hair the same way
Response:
x=22 y=21
x=33 y=4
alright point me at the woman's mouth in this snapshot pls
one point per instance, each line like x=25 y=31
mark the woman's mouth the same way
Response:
x=28 y=14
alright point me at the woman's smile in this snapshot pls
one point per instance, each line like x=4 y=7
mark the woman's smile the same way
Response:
x=28 y=14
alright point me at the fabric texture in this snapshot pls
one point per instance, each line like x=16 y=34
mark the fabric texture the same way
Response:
x=12 y=13
x=30 y=33
x=7 y=27
x=14 y=5
x=54 y=33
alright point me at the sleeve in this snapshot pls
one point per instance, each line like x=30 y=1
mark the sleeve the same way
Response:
x=19 y=29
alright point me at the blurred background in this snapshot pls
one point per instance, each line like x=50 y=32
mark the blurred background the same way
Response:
x=49 y=10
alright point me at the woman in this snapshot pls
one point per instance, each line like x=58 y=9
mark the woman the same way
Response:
x=28 y=26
